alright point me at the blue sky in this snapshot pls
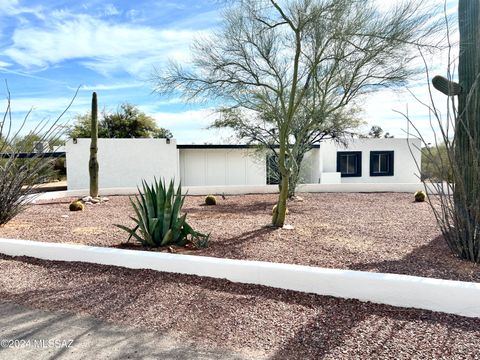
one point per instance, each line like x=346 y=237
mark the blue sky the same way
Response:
x=48 y=49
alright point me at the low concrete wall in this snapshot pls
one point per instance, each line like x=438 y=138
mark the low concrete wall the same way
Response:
x=454 y=297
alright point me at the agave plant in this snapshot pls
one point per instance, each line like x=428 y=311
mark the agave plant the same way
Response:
x=158 y=221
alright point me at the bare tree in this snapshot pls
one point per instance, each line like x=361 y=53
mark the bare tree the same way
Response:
x=316 y=55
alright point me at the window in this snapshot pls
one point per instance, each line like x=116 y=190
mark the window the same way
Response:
x=273 y=174
x=381 y=163
x=349 y=163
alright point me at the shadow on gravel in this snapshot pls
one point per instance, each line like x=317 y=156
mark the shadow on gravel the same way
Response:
x=61 y=336
x=234 y=247
x=434 y=260
x=311 y=328
x=224 y=207
x=369 y=331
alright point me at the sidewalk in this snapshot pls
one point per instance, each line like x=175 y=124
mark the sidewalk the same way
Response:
x=66 y=336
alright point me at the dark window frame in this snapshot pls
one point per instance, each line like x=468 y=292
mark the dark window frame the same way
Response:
x=272 y=170
x=391 y=163
x=358 y=154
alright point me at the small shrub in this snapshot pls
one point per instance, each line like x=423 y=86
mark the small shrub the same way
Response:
x=420 y=196
x=158 y=220
x=76 y=206
x=275 y=208
x=210 y=200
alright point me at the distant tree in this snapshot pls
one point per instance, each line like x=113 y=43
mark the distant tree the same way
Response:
x=376 y=132
x=28 y=143
x=436 y=165
x=127 y=122
x=19 y=177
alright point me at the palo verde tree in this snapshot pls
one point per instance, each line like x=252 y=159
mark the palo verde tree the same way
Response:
x=259 y=129
x=314 y=56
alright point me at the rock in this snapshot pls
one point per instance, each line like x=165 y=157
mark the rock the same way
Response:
x=95 y=200
x=64 y=216
x=288 y=227
x=89 y=203
x=87 y=199
x=105 y=199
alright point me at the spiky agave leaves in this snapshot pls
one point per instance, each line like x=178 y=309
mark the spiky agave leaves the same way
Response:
x=158 y=221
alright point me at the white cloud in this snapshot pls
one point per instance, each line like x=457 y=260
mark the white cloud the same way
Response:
x=190 y=127
x=106 y=46
x=13 y=8
x=109 y=87
x=44 y=104
x=111 y=10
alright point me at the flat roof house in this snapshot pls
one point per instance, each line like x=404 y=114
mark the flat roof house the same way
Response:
x=125 y=162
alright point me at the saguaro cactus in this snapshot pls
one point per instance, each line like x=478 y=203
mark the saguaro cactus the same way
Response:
x=463 y=235
x=93 y=163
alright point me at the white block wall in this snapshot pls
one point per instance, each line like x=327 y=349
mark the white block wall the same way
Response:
x=454 y=297
x=122 y=162
x=310 y=168
x=405 y=170
x=209 y=167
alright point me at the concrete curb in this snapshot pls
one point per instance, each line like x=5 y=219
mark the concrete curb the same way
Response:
x=454 y=297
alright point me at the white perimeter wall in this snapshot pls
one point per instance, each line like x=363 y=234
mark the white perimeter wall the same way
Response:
x=448 y=296
x=122 y=162
x=405 y=170
x=207 y=167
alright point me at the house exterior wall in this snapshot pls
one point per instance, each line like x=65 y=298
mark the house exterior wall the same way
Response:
x=405 y=169
x=122 y=162
x=310 y=168
x=125 y=162
x=207 y=167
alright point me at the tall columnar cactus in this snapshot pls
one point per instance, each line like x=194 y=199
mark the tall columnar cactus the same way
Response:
x=463 y=235
x=93 y=163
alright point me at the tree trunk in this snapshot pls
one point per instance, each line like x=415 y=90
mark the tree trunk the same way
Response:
x=93 y=163
x=278 y=218
x=295 y=175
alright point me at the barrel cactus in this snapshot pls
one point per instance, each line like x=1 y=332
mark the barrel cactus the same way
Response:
x=420 y=196
x=76 y=206
x=275 y=208
x=210 y=200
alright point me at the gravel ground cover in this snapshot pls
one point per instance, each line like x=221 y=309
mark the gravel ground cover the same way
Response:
x=259 y=321
x=381 y=232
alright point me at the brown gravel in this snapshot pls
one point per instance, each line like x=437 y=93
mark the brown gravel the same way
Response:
x=382 y=232
x=267 y=322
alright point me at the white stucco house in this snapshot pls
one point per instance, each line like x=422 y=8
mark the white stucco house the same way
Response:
x=363 y=165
